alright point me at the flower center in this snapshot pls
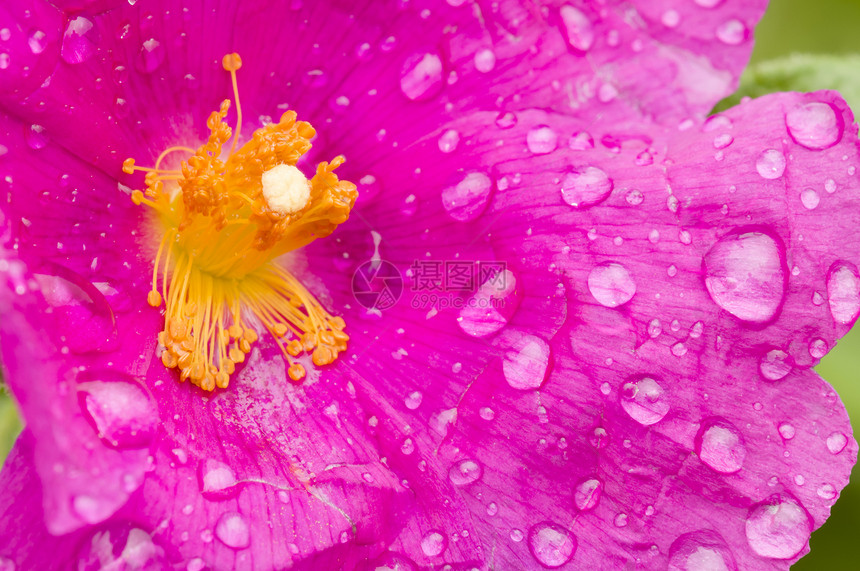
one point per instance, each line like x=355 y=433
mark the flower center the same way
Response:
x=223 y=223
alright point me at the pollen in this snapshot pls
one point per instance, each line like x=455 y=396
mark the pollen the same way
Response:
x=224 y=217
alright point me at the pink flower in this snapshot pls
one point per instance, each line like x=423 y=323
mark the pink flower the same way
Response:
x=625 y=381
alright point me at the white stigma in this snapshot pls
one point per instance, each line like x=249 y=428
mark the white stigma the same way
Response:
x=286 y=189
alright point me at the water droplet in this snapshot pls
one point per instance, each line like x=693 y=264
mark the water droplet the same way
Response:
x=37 y=41
x=720 y=445
x=120 y=409
x=487 y=413
x=120 y=546
x=485 y=60
x=843 y=292
x=217 y=480
x=635 y=197
x=644 y=401
x=413 y=400
x=7 y=564
x=585 y=187
x=195 y=564
x=492 y=509
x=577 y=28
x=827 y=492
x=708 y=3
x=449 y=140
x=836 y=442
x=467 y=199
x=702 y=550
x=814 y=125
x=421 y=76
x=770 y=164
x=830 y=185
x=778 y=528
x=433 y=543
x=551 y=544
x=541 y=140
x=774 y=365
x=732 y=32
x=232 y=530
x=723 y=141
x=818 y=348
x=644 y=159
x=611 y=284
x=492 y=305
x=587 y=494
x=745 y=275
x=390 y=561
x=36 y=137
x=786 y=430
x=506 y=120
x=525 y=363
x=809 y=198
x=79 y=41
x=517 y=535
x=655 y=328
x=408 y=447
x=465 y=472
x=620 y=520
x=581 y=141
x=670 y=18
x=151 y=56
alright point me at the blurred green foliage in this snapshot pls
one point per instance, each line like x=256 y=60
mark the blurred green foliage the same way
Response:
x=800 y=46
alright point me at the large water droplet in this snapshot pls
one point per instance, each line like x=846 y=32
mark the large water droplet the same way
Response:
x=465 y=472
x=120 y=409
x=836 y=442
x=421 y=76
x=525 y=363
x=732 y=32
x=745 y=275
x=702 y=550
x=233 y=531
x=809 y=198
x=774 y=365
x=467 y=199
x=611 y=284
x=485 y=60
x=541 y=140
x=36 y=137
x=720 y=445
x=492 y=305
x=551 y=544
x=778 y=527
x=587 y=494
x=577 y=29
x=79 y=41
x=585 y=187
x=843 y=292
x=217 y=480
x=120 y=546
x=433 y=543
x=151 y=56
x=644 y=401
x=37 y=41
x=449 y=140
x=814 y=125
x=770 y=164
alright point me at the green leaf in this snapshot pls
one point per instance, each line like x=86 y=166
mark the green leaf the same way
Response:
x=10 y=423
x=800 y=72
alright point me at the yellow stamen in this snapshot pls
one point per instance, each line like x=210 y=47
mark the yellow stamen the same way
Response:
x=220 y=236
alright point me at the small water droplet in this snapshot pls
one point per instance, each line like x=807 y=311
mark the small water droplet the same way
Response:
x=843 y=292
x=525 y=363
x=836 y=442
x=635 y=197
x=506 y=120
x=413 y=400
x=491 y=306
x=587 y=494
x=670 y=18
x=786 y=430
x=655 y=328
x=620 y=520
x=541 y=140
x=770 y=164
x=467 y=199
x=611 y=284
x=778 y=528
x=151 y=56
x=449 y=140
x=814 y=125
x=827 y=492
x=577 y=29
x=36 y=137
x=79 y=41
x=408 y=446
x=433 y=543
x=774 y=365
x=217 y=480
x=745 y=275
x=551 y=544
x=485 y=60
x=809 y=198
x=580 y=141
x=585 y=187
x=465 y=472
x=720 y=445
x=492 y=509
x=830 y=185
x=818 y=348
x=644 y=400
x=233 y=531
x=723 y=141
x=732 y=32
x=421 y=76
x=195 y=564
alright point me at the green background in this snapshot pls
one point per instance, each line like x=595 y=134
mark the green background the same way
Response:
x=828 y=31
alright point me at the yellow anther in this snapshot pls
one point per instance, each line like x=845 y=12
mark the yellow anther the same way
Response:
x=215 y=268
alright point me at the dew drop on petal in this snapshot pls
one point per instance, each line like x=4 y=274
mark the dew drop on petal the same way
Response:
x=836 y=442
x=467 y=199
x=122 y=412
x=485 y=60
x=778 y=528
x=732 y=32
x=465 y=472
x=786 y=430
x=774 y=365
x=421 y=76
x=541 y=140
x=818 y=348
x=551 y=544
x=37 y=41
x=433 y=543
x=585 y=187
x=119 y=546
x=525 y=363
x=843 y=292
x=581 y=141
x=481 y=316
x=151 y=56
x=195 y=564
x=216 y=479
x=827 y=492
x=745 y=275
x=723 y=141
x=644 y=401
x=449 y=140
x=708 y=3
x=587 y=494
x=611 y=284
x=36 y=137
x=413 y=400
x=703 y=550
x=79 y=41
x=577 y=28
x=814 y=125
x=770 y=164
x=233 y=531
x=809 y=198
x=720 y=445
